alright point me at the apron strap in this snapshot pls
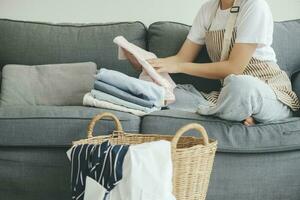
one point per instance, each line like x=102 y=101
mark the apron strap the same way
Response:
x=234 y=11
x=214 y=14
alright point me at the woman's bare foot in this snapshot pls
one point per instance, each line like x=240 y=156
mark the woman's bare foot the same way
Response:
x=249 y=121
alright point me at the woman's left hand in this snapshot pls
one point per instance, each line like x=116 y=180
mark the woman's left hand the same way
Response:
x=162 y=65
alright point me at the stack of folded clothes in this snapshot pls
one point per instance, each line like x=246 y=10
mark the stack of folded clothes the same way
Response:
x=148 y=73
x=117 y=91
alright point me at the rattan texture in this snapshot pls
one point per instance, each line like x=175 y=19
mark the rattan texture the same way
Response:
x=192 y=157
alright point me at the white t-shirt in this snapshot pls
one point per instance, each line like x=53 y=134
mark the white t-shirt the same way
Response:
x=254 y=25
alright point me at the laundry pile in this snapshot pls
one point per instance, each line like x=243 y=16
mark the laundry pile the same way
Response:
x=121 y=172
x=117 y=91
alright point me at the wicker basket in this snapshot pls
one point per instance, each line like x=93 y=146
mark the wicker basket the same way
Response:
x=192 y=157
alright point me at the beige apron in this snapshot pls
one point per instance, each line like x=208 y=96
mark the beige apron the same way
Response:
x=269 y=72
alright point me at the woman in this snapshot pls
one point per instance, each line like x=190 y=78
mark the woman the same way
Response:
x=254 y=87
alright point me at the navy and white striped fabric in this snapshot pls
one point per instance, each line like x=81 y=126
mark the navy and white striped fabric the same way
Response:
x=102 y=162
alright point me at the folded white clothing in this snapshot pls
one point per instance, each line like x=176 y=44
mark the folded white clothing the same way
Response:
x=117 y=101
x=148 y=73
x=89 y=100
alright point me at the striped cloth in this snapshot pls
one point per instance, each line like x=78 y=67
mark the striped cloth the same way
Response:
x=268 y=72
x=102 y=162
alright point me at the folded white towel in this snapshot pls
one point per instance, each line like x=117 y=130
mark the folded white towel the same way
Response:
x=148 y=73
x=89 y=100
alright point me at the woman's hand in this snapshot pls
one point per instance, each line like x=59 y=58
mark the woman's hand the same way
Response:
x=162 y=65
x=136 y=65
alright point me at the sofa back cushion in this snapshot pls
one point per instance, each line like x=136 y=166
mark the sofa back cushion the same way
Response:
x=32 y=43
x=296 y=87
x=166 y=38
x=287 y=45
x=296 y=84
x=47 y=85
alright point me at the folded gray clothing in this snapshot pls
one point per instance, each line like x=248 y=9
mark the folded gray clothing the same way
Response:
x=114 y=91
x=146 y=90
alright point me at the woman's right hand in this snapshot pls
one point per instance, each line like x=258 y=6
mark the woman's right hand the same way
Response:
x=134 y=62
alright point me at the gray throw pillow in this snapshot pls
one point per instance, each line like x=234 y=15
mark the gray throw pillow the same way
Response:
x=56 y=84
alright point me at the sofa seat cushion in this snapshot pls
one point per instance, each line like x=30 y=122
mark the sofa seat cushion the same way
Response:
x=232 y=136
x=55 y=125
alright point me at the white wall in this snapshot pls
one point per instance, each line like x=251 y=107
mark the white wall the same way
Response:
x=147 y=11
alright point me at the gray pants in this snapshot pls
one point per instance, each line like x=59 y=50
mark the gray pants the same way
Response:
x=241 y=97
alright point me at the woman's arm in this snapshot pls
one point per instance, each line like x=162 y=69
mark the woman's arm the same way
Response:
x=236 y=64
x=187 y=53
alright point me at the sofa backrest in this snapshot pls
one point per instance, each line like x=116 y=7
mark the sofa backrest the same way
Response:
x=166 y=38
x=32 y=43
x=286 y=44
x=287 y=47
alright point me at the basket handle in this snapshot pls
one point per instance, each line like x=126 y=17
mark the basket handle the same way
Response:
x=98 y=118
x=186 y=128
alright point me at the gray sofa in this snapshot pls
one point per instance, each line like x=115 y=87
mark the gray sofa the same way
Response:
x=258 y=162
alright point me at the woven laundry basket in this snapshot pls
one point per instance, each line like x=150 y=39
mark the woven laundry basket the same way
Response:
x=192 y=157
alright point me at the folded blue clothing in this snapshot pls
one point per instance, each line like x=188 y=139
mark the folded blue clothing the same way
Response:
x=114 y=91
x=101 y=96
x=142 y=89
